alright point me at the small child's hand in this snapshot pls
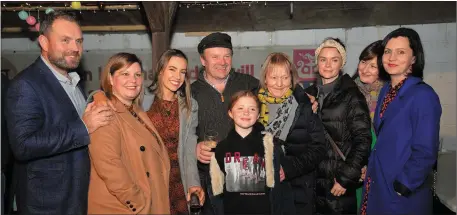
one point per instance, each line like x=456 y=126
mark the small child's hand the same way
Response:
x=282 y=176
x=313 y=102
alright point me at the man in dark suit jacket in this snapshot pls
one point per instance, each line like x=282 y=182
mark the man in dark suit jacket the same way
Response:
x=8 y=184
x=49 y=124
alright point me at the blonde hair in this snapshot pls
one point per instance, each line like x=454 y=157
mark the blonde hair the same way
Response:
x=115 y=63
x=278 y=59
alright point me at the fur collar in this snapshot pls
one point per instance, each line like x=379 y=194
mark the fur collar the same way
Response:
x=218 y=177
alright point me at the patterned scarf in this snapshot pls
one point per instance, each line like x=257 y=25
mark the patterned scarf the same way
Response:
x=278 y=123
x=371 y=93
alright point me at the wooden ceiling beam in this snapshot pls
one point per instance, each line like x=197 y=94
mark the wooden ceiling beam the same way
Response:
x=160 y=16
x=155 y=14
x=312 y=15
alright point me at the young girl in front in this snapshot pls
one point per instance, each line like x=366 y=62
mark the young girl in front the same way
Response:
x=245 y=168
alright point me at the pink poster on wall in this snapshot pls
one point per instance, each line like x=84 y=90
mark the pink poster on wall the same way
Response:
x=304 y=62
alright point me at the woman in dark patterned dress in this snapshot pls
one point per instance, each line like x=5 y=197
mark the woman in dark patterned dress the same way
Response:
x=173 y=112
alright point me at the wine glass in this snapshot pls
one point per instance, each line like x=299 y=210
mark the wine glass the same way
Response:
x=211 y=138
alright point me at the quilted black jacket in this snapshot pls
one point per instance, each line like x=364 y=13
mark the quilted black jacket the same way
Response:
x=345 y=116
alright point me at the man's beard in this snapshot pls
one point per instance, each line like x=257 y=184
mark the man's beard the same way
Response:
x=61 y=63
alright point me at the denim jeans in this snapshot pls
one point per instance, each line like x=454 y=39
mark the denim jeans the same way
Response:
x=213 y=204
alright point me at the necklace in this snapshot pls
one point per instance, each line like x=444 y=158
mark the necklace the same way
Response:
x=130 y=109
x=167 y=110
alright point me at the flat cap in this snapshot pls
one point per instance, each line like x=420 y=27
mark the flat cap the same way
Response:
x=217 y=39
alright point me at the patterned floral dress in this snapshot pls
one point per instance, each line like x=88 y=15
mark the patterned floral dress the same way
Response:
x=165 y=117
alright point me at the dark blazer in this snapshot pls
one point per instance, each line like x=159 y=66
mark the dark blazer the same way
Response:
x=406 y=151
x=9 y=183
x=6 y=151
x=49 y=141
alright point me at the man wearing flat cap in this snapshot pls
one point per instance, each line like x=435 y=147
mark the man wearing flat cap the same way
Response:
x=216 y=83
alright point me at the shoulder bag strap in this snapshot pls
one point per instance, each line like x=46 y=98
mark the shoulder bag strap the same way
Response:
x=334 y=146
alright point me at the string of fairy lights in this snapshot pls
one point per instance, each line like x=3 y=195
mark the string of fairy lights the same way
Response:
x=204 y=5
x=30 y=12
x=75 y=6
x=100 y=6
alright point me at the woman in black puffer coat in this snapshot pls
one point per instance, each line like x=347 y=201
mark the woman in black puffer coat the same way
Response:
x=345 y=115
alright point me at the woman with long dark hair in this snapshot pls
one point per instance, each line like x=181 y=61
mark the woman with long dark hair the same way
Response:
x=174 y=113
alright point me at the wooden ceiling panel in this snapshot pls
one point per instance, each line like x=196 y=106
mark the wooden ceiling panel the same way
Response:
x=237 y=16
